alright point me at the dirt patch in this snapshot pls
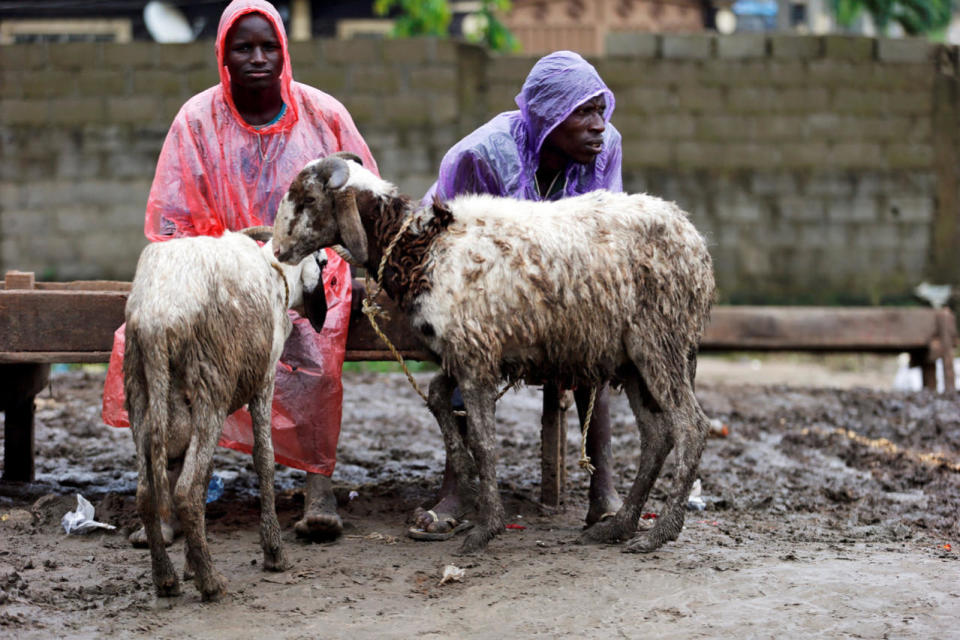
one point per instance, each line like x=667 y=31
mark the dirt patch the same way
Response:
x=830 y=511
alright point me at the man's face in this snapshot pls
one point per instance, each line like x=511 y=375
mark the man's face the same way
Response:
x=580 y=136
x=253 y=54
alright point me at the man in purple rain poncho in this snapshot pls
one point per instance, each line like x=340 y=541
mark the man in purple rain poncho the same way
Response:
x=559 y=143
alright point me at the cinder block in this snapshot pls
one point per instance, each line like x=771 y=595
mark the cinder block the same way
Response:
x=912 y=50
x=912 y=209
x=103 y=82
x=157 y=81
x=742 y=46
x=332 y=80
x=806 y=154
x=433 y=78
x=356 y=51
x=644 y=100
x=373 y=79
x=365 y=107
x=909 y=155
x=74 y=111
x=647 y=153
x=444 y=109
x=48 y=83
x=788 y=47
x=134 y=55
x=76 y=55
x=632 y=44
x=855 y=209
x=701 y=99
x=408 y=51
x=688 y=47
x=25 y=56
x=133 y=109
x=848 y=47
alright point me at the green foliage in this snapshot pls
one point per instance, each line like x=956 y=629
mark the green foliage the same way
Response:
x=494 y=34
x=417 y=17
x=432 y=18
x=917 y=17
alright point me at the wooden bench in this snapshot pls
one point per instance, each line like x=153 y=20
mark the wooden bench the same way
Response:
x=48 y=322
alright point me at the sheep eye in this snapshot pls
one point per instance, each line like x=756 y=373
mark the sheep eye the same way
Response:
x=309 y=200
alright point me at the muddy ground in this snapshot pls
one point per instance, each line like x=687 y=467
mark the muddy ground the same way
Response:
x=831 y=512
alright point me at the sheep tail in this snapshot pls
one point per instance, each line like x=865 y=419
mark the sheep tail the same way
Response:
x=157 y=375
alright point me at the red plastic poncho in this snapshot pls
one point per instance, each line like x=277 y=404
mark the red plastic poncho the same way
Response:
x=217 y=173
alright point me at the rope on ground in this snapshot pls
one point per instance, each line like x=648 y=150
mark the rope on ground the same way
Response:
x=584 y=461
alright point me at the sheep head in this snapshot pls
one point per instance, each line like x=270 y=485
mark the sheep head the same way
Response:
x=319 y=210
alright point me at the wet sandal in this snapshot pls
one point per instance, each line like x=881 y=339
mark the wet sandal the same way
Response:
x=453 y=526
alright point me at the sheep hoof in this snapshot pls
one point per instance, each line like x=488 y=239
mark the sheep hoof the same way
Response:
x=168 y=588
x=275 y=561
x=608 y=531
x=214 y=590
x=138 y=539
x=644 y=543
x=476 y=541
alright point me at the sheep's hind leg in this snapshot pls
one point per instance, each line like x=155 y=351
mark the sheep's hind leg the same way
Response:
x=190 y=501
x=274 y=558
x=655 y=444
x=481 y=405
x=690 y=428
x=164 y=575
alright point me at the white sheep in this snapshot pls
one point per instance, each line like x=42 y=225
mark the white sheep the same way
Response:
x=595 y=288
x=206 y=321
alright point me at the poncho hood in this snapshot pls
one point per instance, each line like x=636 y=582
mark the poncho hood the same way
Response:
x=558 y=84
x=234 y=11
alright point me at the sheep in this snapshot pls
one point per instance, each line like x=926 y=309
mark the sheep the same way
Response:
x=594 y=288
x=206 y=321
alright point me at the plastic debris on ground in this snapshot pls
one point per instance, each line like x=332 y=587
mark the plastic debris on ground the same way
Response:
x=695 y=501
x=518 y=527
x=81 y=520
x=718 y=429
x=452 y=573
x=215 y=488
x=909 y=378
x=354 y=495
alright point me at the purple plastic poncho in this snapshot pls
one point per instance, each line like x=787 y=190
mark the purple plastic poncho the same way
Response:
x=501 y=157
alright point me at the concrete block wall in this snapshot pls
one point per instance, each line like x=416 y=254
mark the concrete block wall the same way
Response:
x=817 y=167
x=808 y=162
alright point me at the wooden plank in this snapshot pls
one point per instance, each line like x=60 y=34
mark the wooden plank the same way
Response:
x=552 y=442
x=885 y=329
x=18 y=280
x=59 y=320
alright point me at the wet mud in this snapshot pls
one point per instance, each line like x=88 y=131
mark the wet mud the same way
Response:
x=829 y=512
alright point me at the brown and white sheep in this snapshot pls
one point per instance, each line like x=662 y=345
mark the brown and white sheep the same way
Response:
x=206 y=322
x=595 y=288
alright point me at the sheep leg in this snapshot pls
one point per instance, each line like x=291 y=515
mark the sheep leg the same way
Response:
x=481 y=405
x=690 y=427
x=164 y=575
x=456 y=492
x=655 y=444
x=190 y=501
x=274 y=558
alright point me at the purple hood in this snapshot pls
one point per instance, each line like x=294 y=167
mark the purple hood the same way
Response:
x=501 y=157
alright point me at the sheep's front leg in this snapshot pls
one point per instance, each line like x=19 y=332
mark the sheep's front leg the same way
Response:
x=481 y=405
x=274 y=558
x=459 y=461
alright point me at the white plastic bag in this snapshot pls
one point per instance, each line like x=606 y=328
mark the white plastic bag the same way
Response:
x=81 y=520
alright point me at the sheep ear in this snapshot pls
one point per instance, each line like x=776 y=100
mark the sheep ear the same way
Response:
x=315 y=300
x=347 y=155
x=260 y=234
x=351 y=228
x=333 y=172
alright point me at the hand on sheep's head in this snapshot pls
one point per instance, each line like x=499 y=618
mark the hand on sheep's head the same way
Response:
x=319 y=210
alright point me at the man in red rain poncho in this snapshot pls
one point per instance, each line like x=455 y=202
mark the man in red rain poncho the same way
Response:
x=227 y=161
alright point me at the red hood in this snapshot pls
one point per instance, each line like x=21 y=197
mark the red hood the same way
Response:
x=233 y=12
